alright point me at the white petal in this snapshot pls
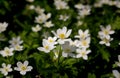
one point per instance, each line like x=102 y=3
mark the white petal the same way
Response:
x=26 y=63
x=116 y=73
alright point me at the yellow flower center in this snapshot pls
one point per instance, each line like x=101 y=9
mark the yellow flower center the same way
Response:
x=62 y=36
x=7 y=52
x=83 y=53
x=50 y=40
x=84 y=43
x=23 y=67
x=106 y=32
x=6 y=69
x=46 y=47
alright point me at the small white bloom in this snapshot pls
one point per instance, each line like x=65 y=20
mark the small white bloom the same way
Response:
x=48 y=24
x=16 y=41
x=23 y=67
x=82 y=53
x=62 y=34
x=52 y=40
x=59 y=4
x=106 y=41
x=82 y=35
x=116 y=73
x=79 y=6
x=7 y=52
x=36 y=28
x=5 y=69
x=47 y=47
x=31 y=7
x=3 y=26
x=68 y=49
x=39 y=10
x=84 y=11
x=106 y=32
x=17 y=47
x=85 y=43
x=64 y=17
x=42 y=18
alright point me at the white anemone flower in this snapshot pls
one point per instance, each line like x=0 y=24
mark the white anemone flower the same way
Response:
x=116 y=73
x=62 y=34
x=36 y=28
x=16 y=41
x=42 y=18
x=68 y=49
x=60 y=4
x=7 y=52
x=106 y=41
x=82 y=53
x=82 y=34
x=47 y=47
x=5 y=69
x=85 y=43
x=3 y=26
x=51 y=40
x=23 y=67
x=48 y=24
x=106 y=31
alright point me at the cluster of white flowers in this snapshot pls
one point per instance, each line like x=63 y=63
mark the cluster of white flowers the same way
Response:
x=100 y=3
x=83 y=10
x=42 y=19
x=116 y=72
x=16 y=43
x=60 y=4
x=22 y=67
x=84 y=43
x=75 y=49
x=104 y=35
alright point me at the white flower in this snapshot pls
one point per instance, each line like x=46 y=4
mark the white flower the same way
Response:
x=47 y=47
x=7 y=52
x=84 y=11
x=116 y=73
x=5 y=69
x=59 y=4
x=36 y=28
x=3 y=26
x=39 y=10
x=23 y=67
x=16 y=41
x=62 y=34
x=82 y=35
x=48 y=24
x=82 y=53
x=42 y=18
x=52 y=40
x=63 y=17
x=31 y=7
x=85 y=43
x=106 y=32
x=79 y=6
x=68 y=49
x=17 y=47
x=118 y=63
x=106 y=41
